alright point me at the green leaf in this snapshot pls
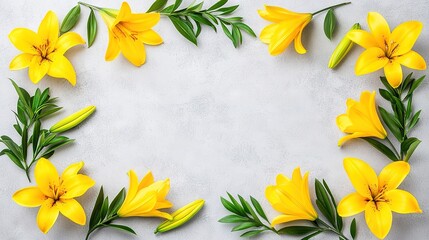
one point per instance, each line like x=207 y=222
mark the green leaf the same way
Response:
x=104 y=208
x=36 y=100
x=227 y=32
x=353 y=228
x=392 y=123
x=411 y=149
x=388 y=87
x=253 y=213
x=23 y=95
x=184 y=29
x=36 y=135
x=243 y=226
x=382 y=148
x=54 y=147
x=121 y=227
x=414 y=120
x=229 y=206
x=117 y=202
x=311 y=235
x=91 y=28
x=415 y=85
x=176 y=5
x=329 y=24
x=13 y=158
x=157 y=5
x=236 y=204
x=236 y=36
x=298 y=230
x=233 y=219
x=24 y=143
x=196 y=7
x=227 y=10
x=95 y=215
x=246 y=28
x=409 y=107
x=339 y=219
x=15 y=148
x=323 y=198
x=243 y=203
x=251 y=233
x=70 y=20
x=217 y=5
x=386 y=95
x=258 y=208
x=202 y=20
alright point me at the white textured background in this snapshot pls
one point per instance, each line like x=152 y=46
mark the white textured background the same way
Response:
x=212 y=118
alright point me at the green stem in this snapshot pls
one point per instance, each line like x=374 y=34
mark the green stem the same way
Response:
x=90 y=6
x=331 y=7
x=101 y=224
x=329 y=228
x=394 y=149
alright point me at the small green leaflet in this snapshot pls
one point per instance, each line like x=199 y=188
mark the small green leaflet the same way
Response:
x=70 y=20
x=353 y=229
x=91 y=28
x=330 y=24
x=184 y=29
x=157 y=5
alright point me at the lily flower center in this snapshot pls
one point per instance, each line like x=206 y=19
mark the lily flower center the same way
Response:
x=121 y=31
x=389 y=48
x=44 y=50
x=57 y=190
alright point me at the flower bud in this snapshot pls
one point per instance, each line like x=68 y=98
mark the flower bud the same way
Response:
x=181 y=216
x=72 y=120
x=342 y=49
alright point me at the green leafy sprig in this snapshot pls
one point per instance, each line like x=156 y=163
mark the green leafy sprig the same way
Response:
x=188 y=21
x=30 y=112
x=104 y=213
x=247 y=217
x=401 y=120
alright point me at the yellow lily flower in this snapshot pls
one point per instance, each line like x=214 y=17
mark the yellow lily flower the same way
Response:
x=43 y=52
x=287 y=26
x=128 y=32
x=144 y=199
x=361 y=119
x=55 y=194
x=291 y=197
x=388 y=50
x=377 y=196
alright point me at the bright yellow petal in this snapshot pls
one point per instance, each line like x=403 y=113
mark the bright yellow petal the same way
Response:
x=401 y=201
x=370 y=60
x=392 y=175
x=352 y=204
x=38 y=68
x=393 y=72
x=282 y=179
x=379 y=28
x=156 y=213
x=124 y=12
x=67 y=41
x=76 y=186
x=378 y=218
x=29 y=197
x=362 y=38
x=25 y=40
x=412 y=60
x=72 y=210
x=405 y=35
x=61 y=67
x=299 y=48
x=46 y=176
x=113 y=49
x=21 y=61
x=284 y=219
x=277 y=14
x=142 y=204
x=133 y=51
x=362 y=176
x=49 y=28
x=150 y=37
x=72 y=170
x=141 y=22
x=147 y=180
x=268 y=32
x=352 y=136
x=47 y=215
x=132 y=190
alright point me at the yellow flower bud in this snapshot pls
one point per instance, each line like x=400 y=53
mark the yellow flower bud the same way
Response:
x=342 y=49
x=181 y=216
x=72 y=120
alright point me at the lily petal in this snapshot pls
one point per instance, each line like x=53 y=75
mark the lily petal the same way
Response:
x=405 y=35
x=286 y=32
x=72 y=170
x=25 y=40
x=29 y=197
x=370 y=60
x=141 y=22
x=76 y=186
x=156 y=213
x=352 y=136
x=379 y=28
x=362 y=176
x=132 y=190
x=284 y=219
x=378 y=218
x=393 y=72
x=67 y=41
x=392 y=175
x=46 y=176
x=49 y=28
x=150 y=37
x=72 y=210
x=412 y=60
x=113 y=49
x=133 y=50
x=401 y=201
x=362 y=38
x=47 y=215
x=62 y=68
x=351 y=205
x=268 y=32
x=21 y=61
x=277 y=14
x=38 y=68
x=282 y=179
x=299 y=48
x=147 y=180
